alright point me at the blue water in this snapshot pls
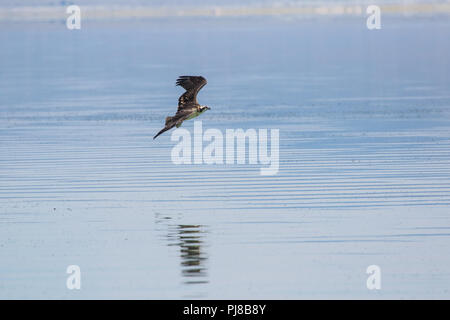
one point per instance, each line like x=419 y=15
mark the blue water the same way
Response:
x=364 y=159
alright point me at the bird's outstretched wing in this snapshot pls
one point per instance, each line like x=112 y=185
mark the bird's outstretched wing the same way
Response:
x=192 y=85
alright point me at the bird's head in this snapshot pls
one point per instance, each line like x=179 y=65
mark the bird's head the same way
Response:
x=204 y=108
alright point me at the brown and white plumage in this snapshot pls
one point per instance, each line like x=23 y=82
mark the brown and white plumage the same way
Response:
x=188 y=107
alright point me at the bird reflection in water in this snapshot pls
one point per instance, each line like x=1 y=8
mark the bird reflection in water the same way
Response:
x=190 y=240
x=192 y=256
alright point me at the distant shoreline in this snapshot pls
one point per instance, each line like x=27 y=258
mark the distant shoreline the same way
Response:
x=120 y=12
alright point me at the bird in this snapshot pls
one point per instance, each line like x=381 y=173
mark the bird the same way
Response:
x=188 y=107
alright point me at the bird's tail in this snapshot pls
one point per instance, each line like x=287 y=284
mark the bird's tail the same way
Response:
x=170 y=123
x=162 y=131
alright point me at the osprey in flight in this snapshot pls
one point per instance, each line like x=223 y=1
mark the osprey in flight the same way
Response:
x=188 y=107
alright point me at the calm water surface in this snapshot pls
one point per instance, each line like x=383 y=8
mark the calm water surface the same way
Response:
x=364 y=160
